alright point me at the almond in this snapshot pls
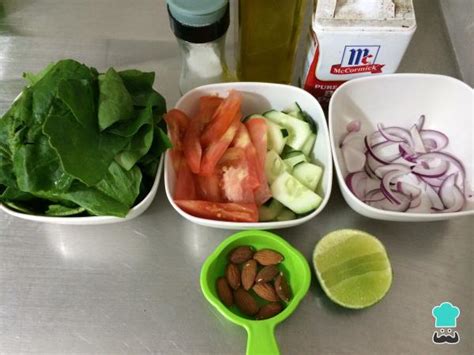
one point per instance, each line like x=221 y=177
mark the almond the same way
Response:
x=282 y=288
x=224 y=292
x=269 y=310
x=249 y=270
x=268 y=257
x=240 y=254
x=245 y=302
x=266 y=291
x=232 y=274
x=267 y=273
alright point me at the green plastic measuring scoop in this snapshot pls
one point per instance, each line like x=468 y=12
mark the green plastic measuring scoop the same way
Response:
x=261 y=337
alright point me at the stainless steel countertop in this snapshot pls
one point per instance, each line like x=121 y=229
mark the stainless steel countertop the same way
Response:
x=133 y=287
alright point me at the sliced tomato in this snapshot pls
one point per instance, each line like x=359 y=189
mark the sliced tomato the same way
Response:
x=227 y=211
x=177 y=122
x=214 y=152
x=242 y=140
x=191 y=144
x=234 y=172
x=222 y=118
x=185 y=187
x=257 y=128
x=209 y=188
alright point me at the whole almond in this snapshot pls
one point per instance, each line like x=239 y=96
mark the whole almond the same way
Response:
x=245 y=302
x=267 y=273
x=232 y=274
x=269 y=310
x=224 y=292
x=249 y=270
x=268 y=257
x=240 y=254
x=266 y=291
x=282 y=288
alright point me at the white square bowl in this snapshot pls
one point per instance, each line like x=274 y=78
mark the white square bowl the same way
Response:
x=134 y=212
x=398 y=100
x=258 y=98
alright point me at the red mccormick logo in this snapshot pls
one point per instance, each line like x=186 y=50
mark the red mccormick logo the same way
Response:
x=358 y=59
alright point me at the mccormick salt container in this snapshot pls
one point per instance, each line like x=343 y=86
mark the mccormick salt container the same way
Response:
x=354 y=38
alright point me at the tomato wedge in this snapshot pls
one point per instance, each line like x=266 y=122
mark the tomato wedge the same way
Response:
x=209 y=187
x=177 y=122
x=185 y=187
x=257 y=128
x=242 y=140
x=222 y=118
x=227 y=211
x=234 y=169
x=216 y=149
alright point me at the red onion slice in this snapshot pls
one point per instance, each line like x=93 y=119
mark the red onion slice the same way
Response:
x=354 y=159
x=418 y=145
x=375 y=195
x=421 y=122
x=408 y=189
x=433 y=172
x=452 y=197
x=394 y=134
x=416 y=202
x=353 y=126
x=439 y=138
x=436 y=203
x=387 y=205
x=384 y=169
x=356 y=184
x=387 y=180
x=452 y=161
x=384 y=152
x=406 y=152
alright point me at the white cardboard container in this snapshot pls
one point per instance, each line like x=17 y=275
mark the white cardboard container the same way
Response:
x=258 y=98
x=399 y=100
x=350 y=39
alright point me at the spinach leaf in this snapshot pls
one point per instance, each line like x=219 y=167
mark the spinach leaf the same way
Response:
x=63 y=211
x=115 y=102
x=85 y=153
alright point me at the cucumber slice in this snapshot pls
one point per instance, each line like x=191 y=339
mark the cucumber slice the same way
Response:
x=277 y=137
x=308 y=174
x=309 y=144
x=298 y=130
x=270 y=210
x=274 y=166
x=296 y=111
x=286 y=215
x=295 y=158
x=294 y=195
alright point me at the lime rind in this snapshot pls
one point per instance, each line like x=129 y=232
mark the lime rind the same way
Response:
x=353 y=268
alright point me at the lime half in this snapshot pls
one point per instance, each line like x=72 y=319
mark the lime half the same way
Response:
x=352 y=268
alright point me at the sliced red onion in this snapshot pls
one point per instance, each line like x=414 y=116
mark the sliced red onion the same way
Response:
x=384 y=152
x=355 y=159
x=452 y=161
x=387 y=180
x=353 y=126
x=433 y=172
x=374 y=195
x=384 y=169
x=387 y=205
x=430 y=144
x=406 y=152
x=356 y=183
x=394 y=134
x=416 y=202
x=397 y=170
x=421 y=123
x=436 y=203
x=452 y=197
x=408 y=189
x=418 y=145
x=439 y=138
